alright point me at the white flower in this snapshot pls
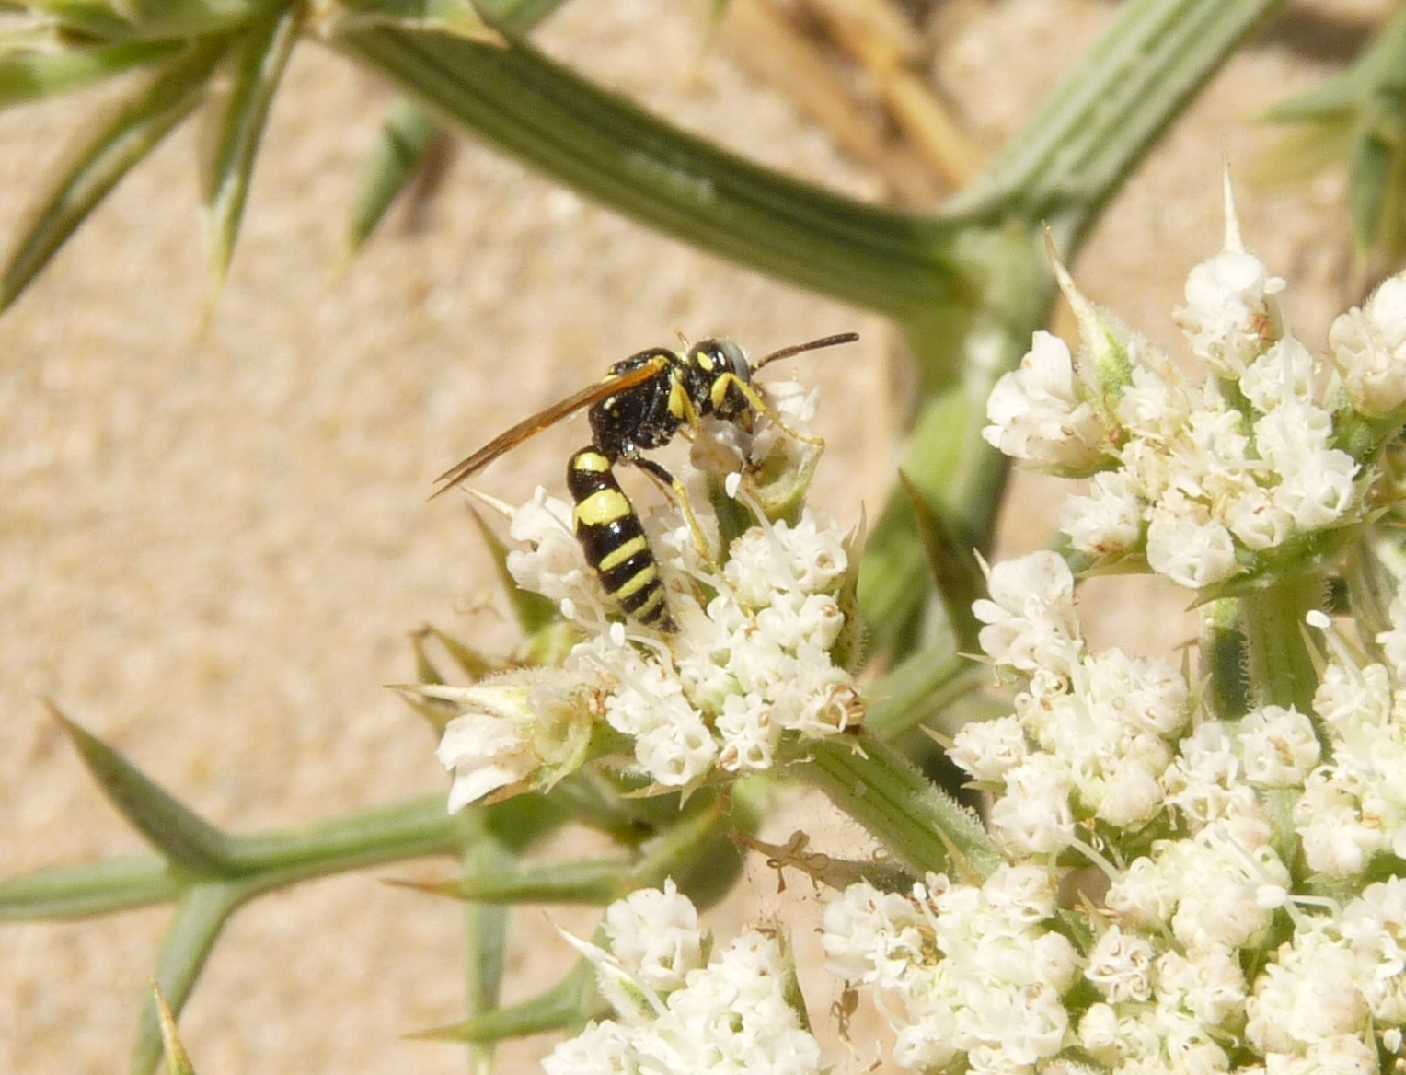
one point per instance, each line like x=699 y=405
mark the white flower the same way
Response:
x=872 y=936
x=1208 y=983
x=1030 y=619
x=1306 y=995
x=1336 y=839
x=988 y=749
x=1120 y=965
x=1036 y=413
x=1343 y=1054
x=654 y=933
x=1285 y=372
x=1319 y=491
x=1230 y=316
x=1375 y=927
x=780 y=558
x=600 y=1049
x=731 y=1017
x=1108 y=520
x=507 y=730
x=1288 y=435
x=1187 y=545
x=549 y=560
x=1351 y=696
x=1034 y=817
x=1257 y=519
x=1153 y=407
x=1368 y=346
x=1277 y=745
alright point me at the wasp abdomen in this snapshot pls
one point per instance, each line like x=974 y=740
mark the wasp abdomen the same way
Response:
x=613 y=539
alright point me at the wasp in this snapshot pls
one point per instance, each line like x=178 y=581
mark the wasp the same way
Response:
x=640 y=405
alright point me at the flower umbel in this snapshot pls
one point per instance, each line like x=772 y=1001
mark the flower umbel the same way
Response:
x=751 y=668
x=1236 y=477
x=677 y=1010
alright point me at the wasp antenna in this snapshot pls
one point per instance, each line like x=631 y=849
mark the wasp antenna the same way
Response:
x=800 y=348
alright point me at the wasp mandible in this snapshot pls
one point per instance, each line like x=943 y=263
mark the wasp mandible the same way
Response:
x=640 y=405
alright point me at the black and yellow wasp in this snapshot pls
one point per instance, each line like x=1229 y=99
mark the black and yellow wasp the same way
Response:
x=639 y=405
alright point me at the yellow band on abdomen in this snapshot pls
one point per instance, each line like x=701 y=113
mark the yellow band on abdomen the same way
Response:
x=618 y=556
x=591 y=461
x=602 y=507
x=638 y=581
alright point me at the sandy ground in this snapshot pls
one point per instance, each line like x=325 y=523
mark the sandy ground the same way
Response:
x=213 y=537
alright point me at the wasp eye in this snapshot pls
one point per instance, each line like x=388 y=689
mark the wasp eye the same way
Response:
x=736 y=358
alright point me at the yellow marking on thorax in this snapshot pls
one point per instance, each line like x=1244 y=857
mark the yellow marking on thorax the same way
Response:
x=602 y=507
x=591 y=461
x=678 y=404
x=637 y=582
x=618 y=556
x=705 y=360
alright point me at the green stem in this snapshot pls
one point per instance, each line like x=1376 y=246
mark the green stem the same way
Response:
x=1061 y=170
x=562 y=125
x=1225 y=652
x=91 y=889
x=408 y=830
x=1077 y=151
x=884 y=792
x=920 y=687
x=1281 y=668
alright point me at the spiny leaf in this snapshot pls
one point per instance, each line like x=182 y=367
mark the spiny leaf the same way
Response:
x=115 y=146
x=201 y=916
x=407 y=135
x=472 y=663
x=91 y=889
x=593 y=882
x=258 y=61
x=28 y=76
x=187 y=840
x=954 y=568
x=177 y=1061
x=571 y=1001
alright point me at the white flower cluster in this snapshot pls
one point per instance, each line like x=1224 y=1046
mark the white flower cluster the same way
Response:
x=678 y=1011
x=750 y=663
x=1353 y=805
x=1204 y=479
x=961 y=970
x=1112 y=756
x=1091 y=734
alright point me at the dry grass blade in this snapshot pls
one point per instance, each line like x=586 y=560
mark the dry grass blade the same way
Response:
x=117 y=144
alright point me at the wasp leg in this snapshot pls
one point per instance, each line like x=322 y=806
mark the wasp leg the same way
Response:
x=719 y=391
x=676 y=489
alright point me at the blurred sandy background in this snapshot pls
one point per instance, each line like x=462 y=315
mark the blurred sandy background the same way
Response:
x=212 y=542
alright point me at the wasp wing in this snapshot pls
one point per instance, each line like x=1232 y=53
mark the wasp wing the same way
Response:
x=530 y=427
